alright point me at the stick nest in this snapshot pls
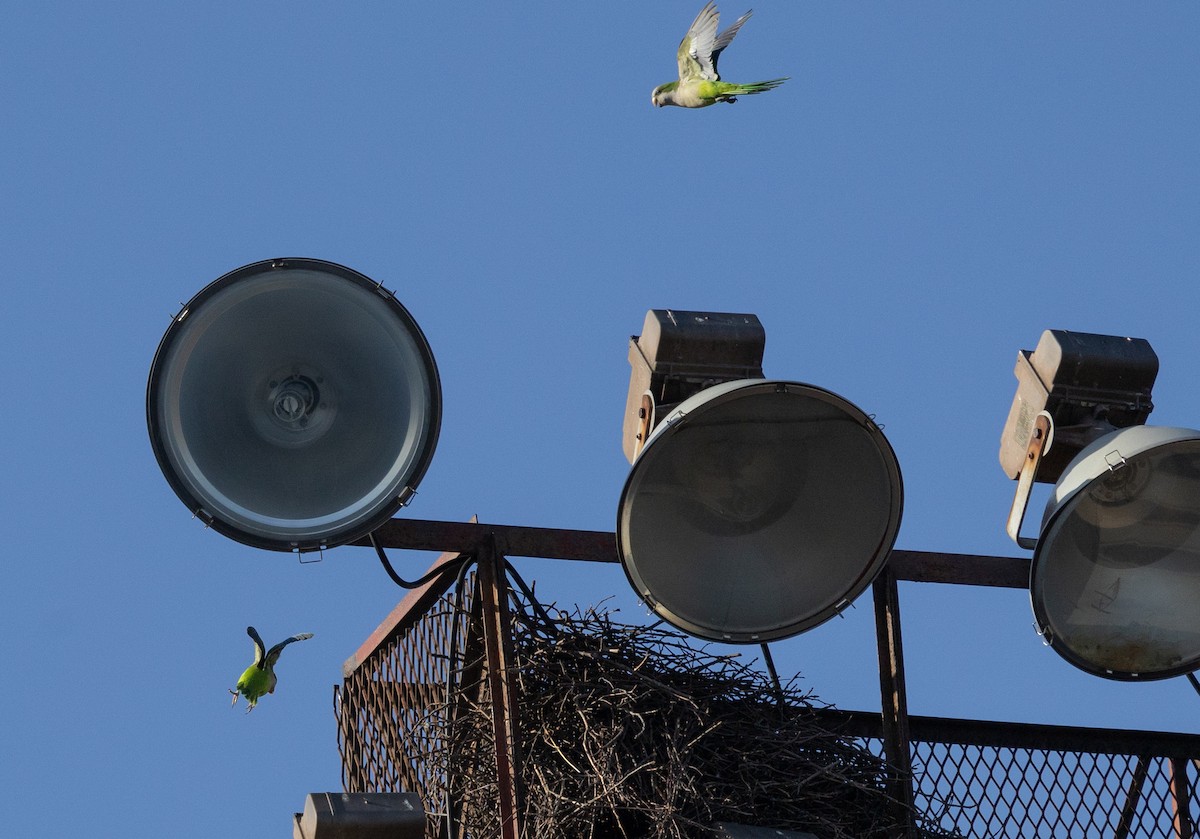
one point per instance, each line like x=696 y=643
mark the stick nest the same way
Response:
x=631 y=731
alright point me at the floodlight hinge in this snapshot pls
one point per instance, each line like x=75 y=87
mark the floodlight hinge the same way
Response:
x=1039 y=443
x=407 y=494
x=1089 y=384
x=645 y=423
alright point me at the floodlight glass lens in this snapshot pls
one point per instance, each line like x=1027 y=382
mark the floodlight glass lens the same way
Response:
x=295 y=405
x=759 y=510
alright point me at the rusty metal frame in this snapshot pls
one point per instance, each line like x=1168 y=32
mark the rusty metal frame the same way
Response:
x=601 y=546
x=351 y=704
x=893 y=696
x=489 y=545
x=493 y=587
x=1180 y=799
x=1132 y=798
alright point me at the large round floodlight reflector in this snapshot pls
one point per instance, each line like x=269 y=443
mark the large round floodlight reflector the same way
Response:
x=758 y=509
x=1115 y=582
x=294 y=404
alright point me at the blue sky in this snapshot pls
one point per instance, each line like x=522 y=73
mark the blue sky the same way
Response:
x=937 y=184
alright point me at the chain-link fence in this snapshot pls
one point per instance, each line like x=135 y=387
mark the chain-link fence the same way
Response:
x=391 y=707
x=970 y=778
x=1000 y=780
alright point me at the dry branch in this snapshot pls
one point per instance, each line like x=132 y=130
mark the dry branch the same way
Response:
x=631 y=731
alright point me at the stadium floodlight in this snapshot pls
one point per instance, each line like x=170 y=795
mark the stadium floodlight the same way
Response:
x=756 y=509
x=293 y=404
x=1116 y=566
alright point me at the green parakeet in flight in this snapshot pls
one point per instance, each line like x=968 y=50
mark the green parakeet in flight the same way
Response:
x=699 y=85
x=259 y=678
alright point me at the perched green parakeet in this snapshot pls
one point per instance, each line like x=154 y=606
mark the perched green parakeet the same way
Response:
x=699 y=85
x=259 y=678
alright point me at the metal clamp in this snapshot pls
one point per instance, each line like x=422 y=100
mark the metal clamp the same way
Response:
x=1039 y=444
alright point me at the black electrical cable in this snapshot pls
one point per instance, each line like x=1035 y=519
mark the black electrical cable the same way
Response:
x=445 y=567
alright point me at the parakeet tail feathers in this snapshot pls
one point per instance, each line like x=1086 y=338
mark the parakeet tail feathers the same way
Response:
x=754 y=87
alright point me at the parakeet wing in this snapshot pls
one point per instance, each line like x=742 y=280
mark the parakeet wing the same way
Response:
x=260 y=650
x=702 y=46
x=724 y=38
x=695 y=51
x=273 y=653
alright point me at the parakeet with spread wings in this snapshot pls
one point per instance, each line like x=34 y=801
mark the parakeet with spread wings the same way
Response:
x=699 y=85
x=259 y=678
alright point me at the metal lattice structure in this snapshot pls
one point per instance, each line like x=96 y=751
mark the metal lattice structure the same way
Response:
x=1014 y=781
x=391 y=706
x=968 y=778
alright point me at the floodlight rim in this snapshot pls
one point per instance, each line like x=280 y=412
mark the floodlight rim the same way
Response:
x=419 y=466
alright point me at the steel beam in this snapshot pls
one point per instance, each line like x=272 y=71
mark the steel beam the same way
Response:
x=493 y=588
x=601 y=546
x=893 y=697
